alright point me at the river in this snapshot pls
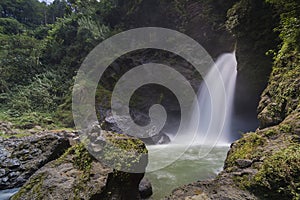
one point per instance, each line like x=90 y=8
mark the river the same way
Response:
x=187 y=169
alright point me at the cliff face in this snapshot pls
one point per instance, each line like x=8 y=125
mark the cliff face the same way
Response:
x=207 y=23
x=264 y=164
x=273 y=151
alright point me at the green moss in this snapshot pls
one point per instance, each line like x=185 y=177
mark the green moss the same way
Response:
x=283 y=88
x=34 y=186
x=81 y=159
x=270 y=133
x=80 y=184
x=279 y=176
x=126 y=143
x=245 y=148
x=123 y=152
x=286 y=128
x=243 y=181
x=19 y=135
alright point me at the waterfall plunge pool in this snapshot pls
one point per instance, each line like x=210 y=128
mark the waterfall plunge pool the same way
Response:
x=190 y=166
x=186 y=169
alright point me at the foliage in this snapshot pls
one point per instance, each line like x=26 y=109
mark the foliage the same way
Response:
x=289 y=28
x=19 y=60
x=32 y=13
x=10 y=26
x=41 y=50
x=42 y=94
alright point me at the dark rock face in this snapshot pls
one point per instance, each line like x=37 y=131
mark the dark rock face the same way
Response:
x=252 y=23
x=121 y=185
x=205 y=21
x=21 y=157
x=160 y=138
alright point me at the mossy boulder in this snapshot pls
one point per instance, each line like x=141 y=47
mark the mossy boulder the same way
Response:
x=78 y=175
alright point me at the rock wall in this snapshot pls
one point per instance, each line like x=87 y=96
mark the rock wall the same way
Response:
x=264 y=164
x=220 y=27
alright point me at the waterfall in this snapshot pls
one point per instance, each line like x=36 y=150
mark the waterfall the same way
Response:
x=215 y=107
x=215 y=110
x=226 y=66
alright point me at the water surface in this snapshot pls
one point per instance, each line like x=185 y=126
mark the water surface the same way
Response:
x=188 y=168
x=6 y=194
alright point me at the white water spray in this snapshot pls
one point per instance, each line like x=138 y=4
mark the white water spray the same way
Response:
x=215 y=111
x=211 y=121
x=214 y=127
x=202 y=145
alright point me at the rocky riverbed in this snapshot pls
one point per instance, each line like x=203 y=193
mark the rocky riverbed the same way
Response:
x=23 y=153
x=54 y=164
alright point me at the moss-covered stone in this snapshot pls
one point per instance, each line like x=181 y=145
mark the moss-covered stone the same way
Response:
x=279 y=176
x=281 y=97
x=245 y=148
x=78 y=175
x=120 y=151
x=32 y=189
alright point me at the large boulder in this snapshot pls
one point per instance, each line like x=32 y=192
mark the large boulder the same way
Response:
x=109 y=123
x=78 y=175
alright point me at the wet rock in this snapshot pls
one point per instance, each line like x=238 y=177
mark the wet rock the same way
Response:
x=2 y=172
x=110 y=124
x=145 y=188
x=243 y=163
x=21 y=157
x=10 y=163
x=160 y=138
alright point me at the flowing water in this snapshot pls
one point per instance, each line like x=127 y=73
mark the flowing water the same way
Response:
x=6 y=194
x=200 y=153
x=215 y=103
x=187 y=169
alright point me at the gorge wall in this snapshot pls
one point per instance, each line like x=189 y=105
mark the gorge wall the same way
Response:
x=220 y=27
x=264 y=164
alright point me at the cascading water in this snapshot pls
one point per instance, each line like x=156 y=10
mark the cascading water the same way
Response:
x=193 y=166
x=226 y=66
